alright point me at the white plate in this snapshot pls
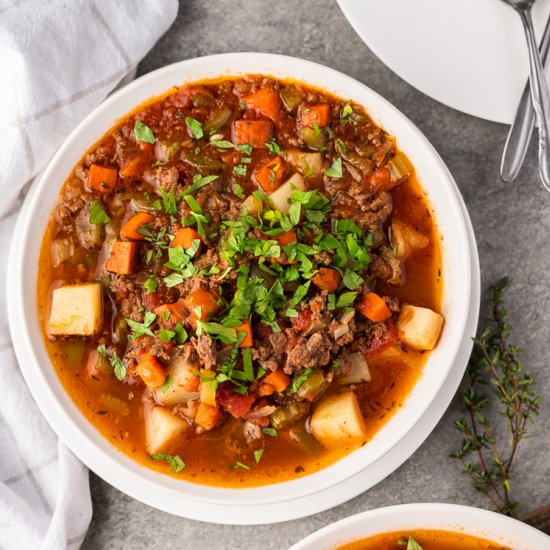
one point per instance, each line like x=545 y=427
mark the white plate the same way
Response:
x=447 y=517
x=467 y=54
x=193 y=500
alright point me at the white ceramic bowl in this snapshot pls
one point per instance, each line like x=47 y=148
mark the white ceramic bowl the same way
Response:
x=448 y=517
x=80 y=436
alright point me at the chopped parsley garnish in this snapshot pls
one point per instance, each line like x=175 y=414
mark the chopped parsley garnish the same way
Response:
x=195 y=127
x=167 y=384
x=335 y=171
x=227 y=335
x=258 y=455
x=245 y=148
x=273 y=147
x=166 y=335
x=300 y=380
x=345 y=299
x=140 y=329
x=98 y=216
x=410 y=543
x=270 y=431
x=198 y=182
x=180 y=260
x=151 y=284
x=221 y=144
x=240 y=466
x=142 y=132
x=238 y=191
x=169 y=201
x=174 y=461
x=240 y=170
x=119 y=367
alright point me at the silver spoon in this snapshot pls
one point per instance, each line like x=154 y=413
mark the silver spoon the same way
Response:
x=539 y=89
x=521 y=129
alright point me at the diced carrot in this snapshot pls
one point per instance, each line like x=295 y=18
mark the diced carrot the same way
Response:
x=327 y=279
x=184 y=237
x=146 y=147
x=373 y=307
x=315 y=114
x=380 y=179
x=248 y=339
x=265 y=389
x=176 y=311
x=202 y=299
x=207 y=416
x=270 y=174
x=287 y=237
x=278 y=380
x=133 y=169
x=130 y=229
x=251 y=132
x=102 y=178
x=121 y=259
x=151 y=371
x=265 y=101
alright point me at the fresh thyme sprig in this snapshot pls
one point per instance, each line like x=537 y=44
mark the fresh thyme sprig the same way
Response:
x=494 y=364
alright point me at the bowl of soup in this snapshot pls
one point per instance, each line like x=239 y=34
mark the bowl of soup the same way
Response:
x=426 y=527
x=246 y=272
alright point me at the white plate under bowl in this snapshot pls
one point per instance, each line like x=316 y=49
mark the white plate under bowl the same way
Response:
x=468 y=54
x=84 y=440
x=495 y=527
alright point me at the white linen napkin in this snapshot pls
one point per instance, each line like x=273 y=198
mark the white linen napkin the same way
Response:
x=58 y=60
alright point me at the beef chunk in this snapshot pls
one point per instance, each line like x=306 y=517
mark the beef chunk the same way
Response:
x=206 y=350
x=310 y=352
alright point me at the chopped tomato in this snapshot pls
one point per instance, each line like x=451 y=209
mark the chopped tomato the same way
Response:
x=378 y=343
x=234 y=403
x=303 y=320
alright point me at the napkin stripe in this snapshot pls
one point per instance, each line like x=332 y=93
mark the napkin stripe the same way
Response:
x=28 y=471
x=19 y=477
x=27 y=148
x=110 y=34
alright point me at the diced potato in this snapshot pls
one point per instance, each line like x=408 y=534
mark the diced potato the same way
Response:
x=185 y=382
x=419 y=327
x=163 y=430
x=253 y=205
x=336 y=418
x=208 y=388
x=77 y=310
x=281 y=196
x=359 y=370
x=405 y=239
x=308 y=163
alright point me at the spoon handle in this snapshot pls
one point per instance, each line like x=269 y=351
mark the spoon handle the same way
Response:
x=539 y=96
x=521 y=130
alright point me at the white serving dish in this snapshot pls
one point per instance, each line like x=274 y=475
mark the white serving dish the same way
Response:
x=447 y=517
x=84 y=440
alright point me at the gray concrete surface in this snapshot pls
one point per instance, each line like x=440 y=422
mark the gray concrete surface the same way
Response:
x=512 y=225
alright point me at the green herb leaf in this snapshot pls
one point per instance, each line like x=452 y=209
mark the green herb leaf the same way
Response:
x=272 y=147
x=98 y=216
x=300 y=380
x=167 y=384
x=226 y=335
x=222 y=144
x=245 y=148
x=174 y=461
x=238 y=191
x=410 y=543
x=140 y=329
x=198 y=182
x=258 y=455
x=151 y=284
x=270 y=431
x=102 y=350
x=119 y=367
x=240 y=170
x=195 y=127
x=142 y=132
x=240 y=466
x=351 y=279
x=169 y=201
x=335 y=171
